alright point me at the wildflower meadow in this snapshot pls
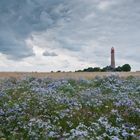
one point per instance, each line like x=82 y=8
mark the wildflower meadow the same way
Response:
x=105 y=108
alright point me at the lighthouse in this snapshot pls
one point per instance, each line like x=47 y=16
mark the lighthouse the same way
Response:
x=113 y=57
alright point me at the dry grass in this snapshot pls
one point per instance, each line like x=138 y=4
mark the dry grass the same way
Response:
x=60 y=75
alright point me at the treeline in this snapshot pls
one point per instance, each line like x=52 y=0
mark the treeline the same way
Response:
x=125 y=68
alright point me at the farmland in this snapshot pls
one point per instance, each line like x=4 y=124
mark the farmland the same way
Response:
x=70 y=107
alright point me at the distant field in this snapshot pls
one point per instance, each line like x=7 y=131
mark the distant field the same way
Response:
x=60 y=75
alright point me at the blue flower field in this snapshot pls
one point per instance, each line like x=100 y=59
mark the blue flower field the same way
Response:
x=46 y=109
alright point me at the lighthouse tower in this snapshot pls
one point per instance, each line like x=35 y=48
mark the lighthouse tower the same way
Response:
x=113 y=57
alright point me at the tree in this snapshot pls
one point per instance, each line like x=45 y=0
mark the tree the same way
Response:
x=107 y=68
x=90 y=69
x=96 y=69
x=119 y=68
x=126 y=67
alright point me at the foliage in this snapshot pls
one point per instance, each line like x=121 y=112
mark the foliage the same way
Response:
x=90 y=69
x=125 y=67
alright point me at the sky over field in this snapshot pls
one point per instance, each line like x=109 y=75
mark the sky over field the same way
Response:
x=51 y=35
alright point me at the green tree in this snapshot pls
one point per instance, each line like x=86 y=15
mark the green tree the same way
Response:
x=96 y=69
x=126 y=67
x=90 y=69
x=107 y=68
x=119 y=68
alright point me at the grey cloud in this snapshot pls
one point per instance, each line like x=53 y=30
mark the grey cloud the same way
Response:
x=14 y=47
x=72 y=25
x=19 y=19
x=46 y=53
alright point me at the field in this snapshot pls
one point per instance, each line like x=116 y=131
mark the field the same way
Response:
x=71 y=106
x=66 y=75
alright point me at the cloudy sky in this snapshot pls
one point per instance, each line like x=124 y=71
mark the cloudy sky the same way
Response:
x=46 y=35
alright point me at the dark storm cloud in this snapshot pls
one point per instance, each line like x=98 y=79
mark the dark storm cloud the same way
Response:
x=19 y=18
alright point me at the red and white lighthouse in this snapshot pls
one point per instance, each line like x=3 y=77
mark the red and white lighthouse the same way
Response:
x=113 y=57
